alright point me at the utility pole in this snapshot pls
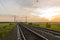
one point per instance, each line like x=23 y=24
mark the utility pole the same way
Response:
x=26 y=19
x=14 y=18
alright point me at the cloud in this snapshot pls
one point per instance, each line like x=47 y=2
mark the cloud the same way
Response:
x=25 y=7
x=15 y=7
x=24 y=2
x=49 y=3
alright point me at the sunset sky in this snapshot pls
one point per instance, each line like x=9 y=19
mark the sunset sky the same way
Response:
x=41 y=10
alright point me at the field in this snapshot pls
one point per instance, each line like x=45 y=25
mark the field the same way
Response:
x=50 y=25
x=5 y=28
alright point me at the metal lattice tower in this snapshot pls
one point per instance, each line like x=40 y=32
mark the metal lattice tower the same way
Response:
x=14 y=18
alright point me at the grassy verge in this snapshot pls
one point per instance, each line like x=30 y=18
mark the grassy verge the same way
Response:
x=5 y=28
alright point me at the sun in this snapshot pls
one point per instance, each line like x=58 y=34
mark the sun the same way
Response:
x=48 y=13
x=48 y=16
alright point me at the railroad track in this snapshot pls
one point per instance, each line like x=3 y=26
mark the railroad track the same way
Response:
x=52 y=31
x=51 y=35
x=45 y=29
x=49 y=30
x=28 y=34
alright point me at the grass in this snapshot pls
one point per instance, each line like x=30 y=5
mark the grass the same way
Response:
x=53 y=25
x=5 y=28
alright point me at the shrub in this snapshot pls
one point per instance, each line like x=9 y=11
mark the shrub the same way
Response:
x=48 y=25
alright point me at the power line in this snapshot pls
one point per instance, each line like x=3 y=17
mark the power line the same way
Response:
x=26 y=19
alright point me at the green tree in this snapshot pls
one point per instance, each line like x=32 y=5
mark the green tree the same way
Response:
x=48 y=25
x=30 y=23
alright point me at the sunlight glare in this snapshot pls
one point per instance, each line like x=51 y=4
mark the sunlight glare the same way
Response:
x=48 y=12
